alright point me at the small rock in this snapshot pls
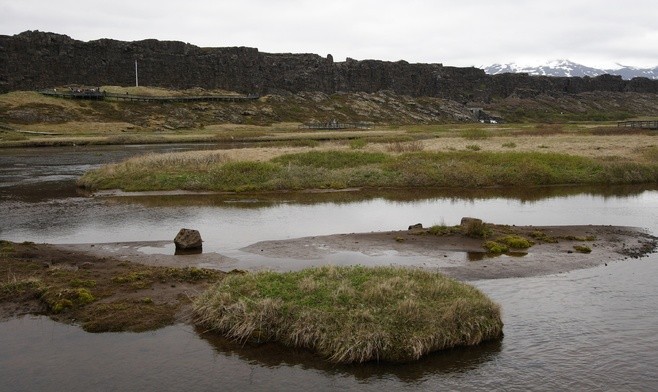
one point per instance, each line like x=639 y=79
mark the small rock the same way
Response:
x=188 y=239
x=468 y=221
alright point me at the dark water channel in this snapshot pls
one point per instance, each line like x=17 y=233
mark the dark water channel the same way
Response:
x=592 y=330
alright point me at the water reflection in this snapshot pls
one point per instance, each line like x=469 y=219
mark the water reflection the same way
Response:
x=461 y=195
x=272 y=355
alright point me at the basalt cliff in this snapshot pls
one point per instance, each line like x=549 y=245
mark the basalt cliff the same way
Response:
x=34 y=60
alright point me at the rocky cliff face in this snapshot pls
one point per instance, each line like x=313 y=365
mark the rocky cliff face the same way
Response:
x=34 y=60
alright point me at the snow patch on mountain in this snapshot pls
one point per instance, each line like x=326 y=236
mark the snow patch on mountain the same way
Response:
x=566 y=68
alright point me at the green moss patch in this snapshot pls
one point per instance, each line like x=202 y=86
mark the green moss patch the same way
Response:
x=582 y=249
x=506 y=243
x=351 y=314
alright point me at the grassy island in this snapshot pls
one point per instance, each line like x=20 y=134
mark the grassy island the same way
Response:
x=340 y=169
x=351 y=314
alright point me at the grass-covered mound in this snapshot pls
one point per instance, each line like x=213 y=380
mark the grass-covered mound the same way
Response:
x=351 y=314
x=214 y=171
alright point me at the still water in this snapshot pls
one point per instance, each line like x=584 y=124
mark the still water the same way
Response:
x=588 y=330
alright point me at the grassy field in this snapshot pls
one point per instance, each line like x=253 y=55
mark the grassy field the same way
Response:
x=351 y=314
x=32 y=119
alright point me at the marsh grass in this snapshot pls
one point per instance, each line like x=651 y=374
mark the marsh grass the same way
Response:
x=543 y=237
x=351 y=314
x=342 y=169
x=401 y=147
x=358 y=144
x=15 y=287
x=495 y=248
x=474 y=133
x=515 y=241
x=441 y=230
x=332 y=159
x=650 y=153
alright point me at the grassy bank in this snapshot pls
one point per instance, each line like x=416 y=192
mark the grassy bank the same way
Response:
x=333 y=169
x=352 y=314
x=100 y=295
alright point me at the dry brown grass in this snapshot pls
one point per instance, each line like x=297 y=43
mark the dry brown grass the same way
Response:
x=594 y=146
x=402 y=147
x=76 y=128
x=20 y=98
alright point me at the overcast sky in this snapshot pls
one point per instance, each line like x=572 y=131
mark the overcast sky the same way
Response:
x=596 y=33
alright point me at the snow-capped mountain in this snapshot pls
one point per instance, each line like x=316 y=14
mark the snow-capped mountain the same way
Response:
x=569 y=68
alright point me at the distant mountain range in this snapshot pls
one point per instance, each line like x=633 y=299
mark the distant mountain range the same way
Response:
x=569 y=68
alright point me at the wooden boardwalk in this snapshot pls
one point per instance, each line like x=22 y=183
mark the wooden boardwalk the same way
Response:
x=639 y=124
x=101 y=95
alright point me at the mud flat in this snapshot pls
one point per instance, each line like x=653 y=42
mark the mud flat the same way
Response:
x=455 y=254
x=464 y=258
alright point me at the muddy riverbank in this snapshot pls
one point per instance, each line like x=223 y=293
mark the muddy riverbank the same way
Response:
x=134 y=288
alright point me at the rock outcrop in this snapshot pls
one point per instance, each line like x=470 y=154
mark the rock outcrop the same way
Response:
x=34 y=60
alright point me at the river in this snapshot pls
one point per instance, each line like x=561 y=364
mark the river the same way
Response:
x=591 y=329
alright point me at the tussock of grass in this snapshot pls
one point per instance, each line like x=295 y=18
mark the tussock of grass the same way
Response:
x=21 y=287
x=351 y=314
x=505 y=243
x=440 y=230
x=495 y=247
x=515 y=241
x=543 y=237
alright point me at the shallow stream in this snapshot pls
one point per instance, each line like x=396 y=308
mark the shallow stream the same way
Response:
x=590 y=329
